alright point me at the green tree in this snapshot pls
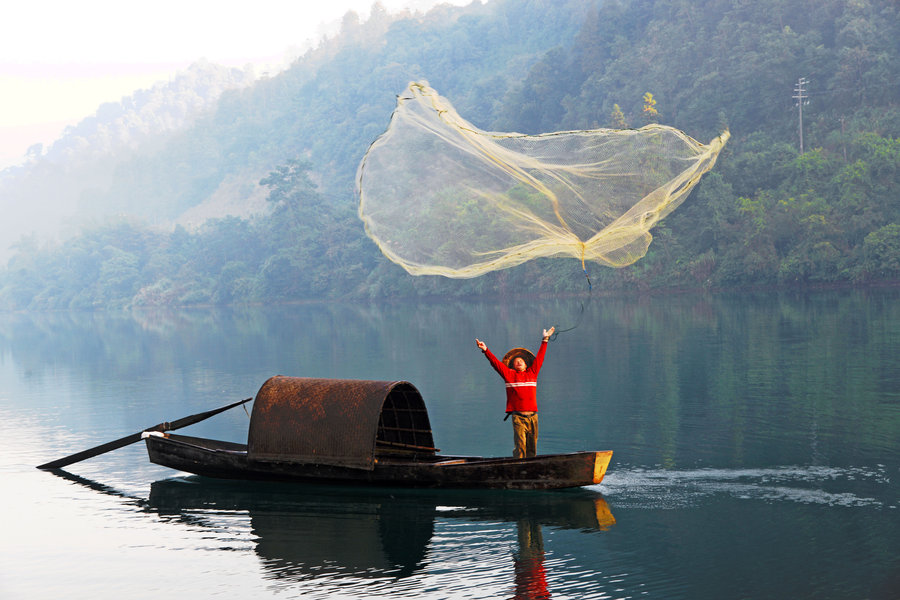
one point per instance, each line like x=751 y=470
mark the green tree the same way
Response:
x=651 y=115
x=881 y=252
x=617 y=118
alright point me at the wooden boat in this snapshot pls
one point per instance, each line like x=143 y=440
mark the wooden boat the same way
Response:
x=360 y=432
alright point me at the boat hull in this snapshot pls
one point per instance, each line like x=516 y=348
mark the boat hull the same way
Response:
x=226 y=460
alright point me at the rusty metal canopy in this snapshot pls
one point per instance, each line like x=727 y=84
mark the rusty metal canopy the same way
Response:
x=335 y=421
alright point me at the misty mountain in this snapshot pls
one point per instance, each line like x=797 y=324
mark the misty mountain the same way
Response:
x=54 y=191
x=251 y=198
x=196 y=147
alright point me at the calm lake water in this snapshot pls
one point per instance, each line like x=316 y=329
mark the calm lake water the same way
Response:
x=756 y=440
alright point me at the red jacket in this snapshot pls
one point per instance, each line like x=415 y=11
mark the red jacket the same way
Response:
x=521 y=387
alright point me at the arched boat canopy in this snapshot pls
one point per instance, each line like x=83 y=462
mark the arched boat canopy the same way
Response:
x=337 y=422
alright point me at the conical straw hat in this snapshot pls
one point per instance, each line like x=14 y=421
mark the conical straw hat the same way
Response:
x=525 y=353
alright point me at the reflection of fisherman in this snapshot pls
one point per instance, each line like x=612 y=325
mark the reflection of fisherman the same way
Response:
x=519 y=369
x=528 y=562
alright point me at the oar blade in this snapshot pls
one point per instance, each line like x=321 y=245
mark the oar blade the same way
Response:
x=135 y=437
x=91 y=452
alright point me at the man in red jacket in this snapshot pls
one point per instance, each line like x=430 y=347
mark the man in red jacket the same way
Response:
x=520 y=372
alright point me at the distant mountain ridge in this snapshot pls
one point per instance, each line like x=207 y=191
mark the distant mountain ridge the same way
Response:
x=50 y=192
x=178 y=153
x=280 y=156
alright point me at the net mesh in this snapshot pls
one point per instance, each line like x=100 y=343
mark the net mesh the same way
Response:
x=441 y=197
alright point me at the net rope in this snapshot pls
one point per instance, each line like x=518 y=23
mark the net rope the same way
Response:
x=441 y=197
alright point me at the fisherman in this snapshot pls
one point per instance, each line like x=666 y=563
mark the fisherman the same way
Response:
x=519 y=369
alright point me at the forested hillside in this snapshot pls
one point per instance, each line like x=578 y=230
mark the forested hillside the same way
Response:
x=59 y=186
x=766 y=215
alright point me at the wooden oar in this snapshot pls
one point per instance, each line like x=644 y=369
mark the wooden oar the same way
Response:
x=135 y=437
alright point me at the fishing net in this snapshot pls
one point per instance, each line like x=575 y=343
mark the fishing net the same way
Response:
x=441 y=197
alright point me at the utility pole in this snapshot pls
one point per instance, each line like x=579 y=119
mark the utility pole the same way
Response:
x=800 y=95
x=843 y=145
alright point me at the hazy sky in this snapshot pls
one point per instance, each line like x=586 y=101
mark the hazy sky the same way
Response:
x=59 y=60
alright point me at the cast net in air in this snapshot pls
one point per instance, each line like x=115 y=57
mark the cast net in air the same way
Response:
x=441 y=197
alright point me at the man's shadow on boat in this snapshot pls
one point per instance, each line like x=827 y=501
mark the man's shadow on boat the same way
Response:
x=304 y=531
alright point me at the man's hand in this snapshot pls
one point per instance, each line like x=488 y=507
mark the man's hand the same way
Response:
x=548 y=333
x=481 y=345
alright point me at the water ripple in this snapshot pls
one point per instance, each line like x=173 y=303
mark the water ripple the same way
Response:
x=661 y=488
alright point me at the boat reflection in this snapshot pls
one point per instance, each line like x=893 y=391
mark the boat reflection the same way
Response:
x=304 y=531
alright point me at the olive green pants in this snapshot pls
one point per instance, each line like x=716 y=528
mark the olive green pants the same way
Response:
x=525 y=434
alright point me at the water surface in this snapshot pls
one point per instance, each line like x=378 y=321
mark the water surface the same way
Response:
x=755 y=438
